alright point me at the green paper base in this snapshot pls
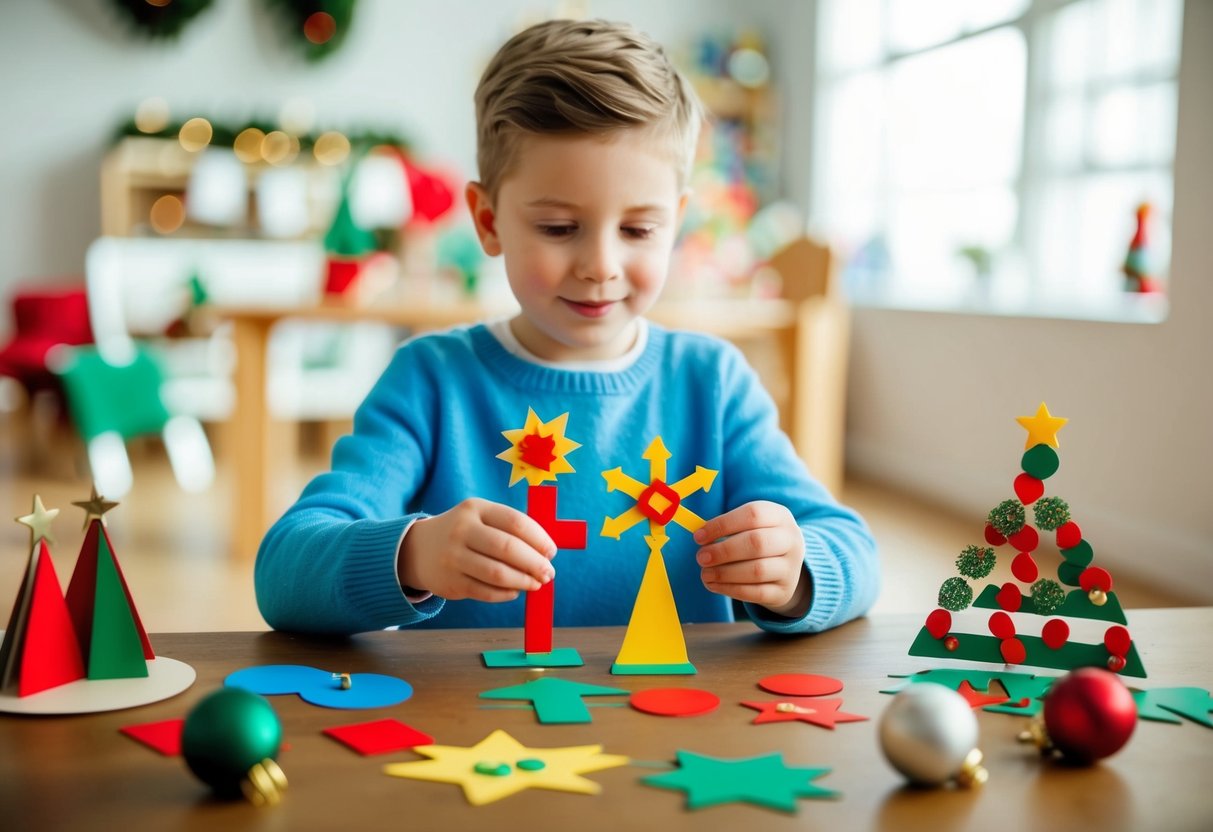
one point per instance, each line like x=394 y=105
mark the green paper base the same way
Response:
x=978 y=648
x=1076 y=605
x=560 y=657
x=685 y=669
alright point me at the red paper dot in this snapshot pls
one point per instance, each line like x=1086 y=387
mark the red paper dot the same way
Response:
x=1068 y=535
x=1025 y=540
x=806 y=684
x=1055 y=633
x=1024 y=568
x=938 y=624
x=1009 y=598
x=1117 y=640
x=993 y=536
x=1028 y=489
x=1001 y=625
x=1013 y=651
x=1095 y=577
x=674 y=701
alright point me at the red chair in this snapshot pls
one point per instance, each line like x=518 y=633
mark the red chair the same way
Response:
x=43 y=319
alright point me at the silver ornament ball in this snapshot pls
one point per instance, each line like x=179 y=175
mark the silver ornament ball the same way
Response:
x=929 y=734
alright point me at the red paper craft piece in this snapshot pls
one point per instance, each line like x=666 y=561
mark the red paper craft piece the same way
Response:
x=939 y=622
x=49 y=652
x=675 y=701
x=1013 y=651
x=381 y=736
x=538 y=450
x=658 y=502
x=164 y=736
x=1095 y=577
x=808 y=684
x=1117 y=640
x=1055 y=633
x=1025 y=540
x=1001 y=625
x=977 y=699
x=823 y=712
x=1028 y=489
x=566 y=534
x=1068 y=535
x=1010 y=599
x=1024 y=568
x=993 y=536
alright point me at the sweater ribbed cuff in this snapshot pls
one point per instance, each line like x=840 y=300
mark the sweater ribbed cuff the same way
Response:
x=370 y=577
x=827 y=593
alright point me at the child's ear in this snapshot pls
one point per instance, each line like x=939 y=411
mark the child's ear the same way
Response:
x=483 y=217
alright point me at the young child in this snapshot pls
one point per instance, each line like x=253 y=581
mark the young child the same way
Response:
x=586 y=135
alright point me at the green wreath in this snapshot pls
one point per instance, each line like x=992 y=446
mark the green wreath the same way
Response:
x=160 y=20
x=318 y=27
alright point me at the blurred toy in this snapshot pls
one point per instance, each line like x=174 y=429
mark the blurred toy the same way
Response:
x=1138 y=269
x=230 y=741
x=1088 y=715
x=929 y=734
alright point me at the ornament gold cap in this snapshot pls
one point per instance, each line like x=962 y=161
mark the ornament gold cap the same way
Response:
x=264 y=783
x=1098 y=597
x=344 y=678
x=972 y=773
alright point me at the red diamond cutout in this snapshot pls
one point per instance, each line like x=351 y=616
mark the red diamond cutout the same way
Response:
x=658 y=502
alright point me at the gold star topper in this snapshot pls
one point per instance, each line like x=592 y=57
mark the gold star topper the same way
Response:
x=537 y=450
x=95 y=507
x=39 y=521
x=1042 y=428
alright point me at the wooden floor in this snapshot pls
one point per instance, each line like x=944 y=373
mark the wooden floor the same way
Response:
x=172 y=545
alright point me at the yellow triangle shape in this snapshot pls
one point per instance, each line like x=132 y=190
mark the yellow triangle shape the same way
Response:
x=654 y=634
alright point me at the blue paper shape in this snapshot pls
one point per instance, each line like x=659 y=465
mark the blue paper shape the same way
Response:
x=321 y=687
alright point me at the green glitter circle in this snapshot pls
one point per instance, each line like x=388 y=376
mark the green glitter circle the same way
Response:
x=1051 y=513
x=1007 y=517
x=955 y=594
x=1047 y=596
x=975 y=562
x=491 y=768
x=531 y=764
x=1040 y=461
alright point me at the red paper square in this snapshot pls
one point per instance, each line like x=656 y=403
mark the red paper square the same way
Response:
x=379 y=737
x=164 y=737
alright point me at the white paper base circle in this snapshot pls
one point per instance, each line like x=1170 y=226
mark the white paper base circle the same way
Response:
x=165 y=678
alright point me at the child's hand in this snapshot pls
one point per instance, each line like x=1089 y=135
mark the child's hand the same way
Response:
x=478 y=549
x=760 y=559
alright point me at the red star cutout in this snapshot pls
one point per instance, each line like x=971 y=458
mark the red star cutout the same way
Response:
x=538 y=450
x=823 y=712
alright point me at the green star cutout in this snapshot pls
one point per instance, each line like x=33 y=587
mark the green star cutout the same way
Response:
x=763 y=781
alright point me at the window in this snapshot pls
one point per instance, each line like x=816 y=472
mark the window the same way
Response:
x=992 y=155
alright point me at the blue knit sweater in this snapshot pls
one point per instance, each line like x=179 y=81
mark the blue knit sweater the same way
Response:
x=427 y=437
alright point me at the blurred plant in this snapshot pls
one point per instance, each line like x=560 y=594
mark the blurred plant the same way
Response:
x=160 y=18
x=318 y=27
x=981 y=258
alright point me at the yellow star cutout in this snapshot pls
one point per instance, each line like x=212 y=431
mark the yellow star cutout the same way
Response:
x=39 y=521
x=1042 y=428
x=95 y=506
x=548 y=768
x=538 y=464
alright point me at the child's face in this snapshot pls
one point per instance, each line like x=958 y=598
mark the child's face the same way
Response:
x=586 y=225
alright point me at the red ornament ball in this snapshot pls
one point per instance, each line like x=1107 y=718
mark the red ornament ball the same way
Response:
x=1089 y=714
x=951 y=643
x=1116 y=663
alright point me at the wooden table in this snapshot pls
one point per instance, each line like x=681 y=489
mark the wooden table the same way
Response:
x=806 y=334
x=79 y=773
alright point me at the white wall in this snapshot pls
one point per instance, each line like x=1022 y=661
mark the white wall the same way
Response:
x=72 y=73
x=933 y=396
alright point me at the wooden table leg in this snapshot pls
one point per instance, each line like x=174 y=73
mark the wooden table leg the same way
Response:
x=250 y=448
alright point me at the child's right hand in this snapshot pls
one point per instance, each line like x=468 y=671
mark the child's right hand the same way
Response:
x=478 y=549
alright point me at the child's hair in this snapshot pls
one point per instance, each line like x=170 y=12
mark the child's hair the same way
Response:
x=580 y=76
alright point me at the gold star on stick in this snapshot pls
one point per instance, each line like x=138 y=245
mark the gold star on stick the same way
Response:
x=39 y=521
x=1042 y=428
x=95 y=506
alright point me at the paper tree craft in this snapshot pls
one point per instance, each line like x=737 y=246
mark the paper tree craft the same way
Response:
x=538 y=453
x=654 y=644
x=1047 y=608
x=93 y=632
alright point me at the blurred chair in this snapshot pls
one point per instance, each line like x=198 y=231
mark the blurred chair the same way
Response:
x=42 y=319
x=114 y=403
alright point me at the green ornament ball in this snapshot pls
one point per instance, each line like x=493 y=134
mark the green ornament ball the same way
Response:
x=1007 y=517
x=1047 y=596
x=1051 y=513
x=975 y=562
x=1040 y=461
x=227 y=733
x=955 y=594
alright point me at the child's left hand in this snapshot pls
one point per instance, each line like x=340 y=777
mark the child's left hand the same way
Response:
x=760 y=559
